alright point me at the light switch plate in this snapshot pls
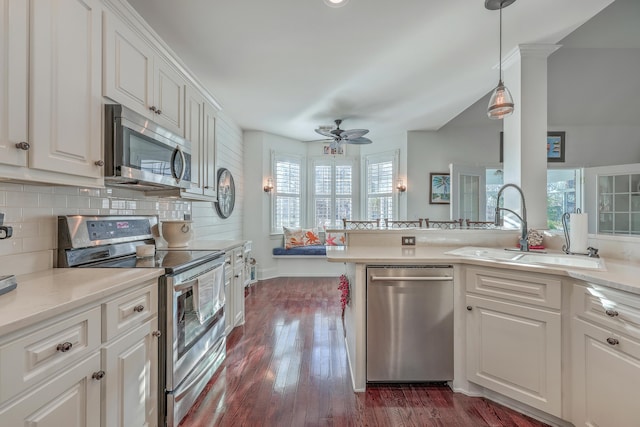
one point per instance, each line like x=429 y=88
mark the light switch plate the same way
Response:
x=408 y=240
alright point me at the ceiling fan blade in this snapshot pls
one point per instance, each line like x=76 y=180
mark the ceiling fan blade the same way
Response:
x=325 y=132
x=360 y=140
x=321 y=140
x=353 y=133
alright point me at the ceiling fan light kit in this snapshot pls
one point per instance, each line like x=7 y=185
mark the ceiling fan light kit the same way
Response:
x=501 y=103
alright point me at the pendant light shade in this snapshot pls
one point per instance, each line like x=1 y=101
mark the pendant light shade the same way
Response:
x=501 y=103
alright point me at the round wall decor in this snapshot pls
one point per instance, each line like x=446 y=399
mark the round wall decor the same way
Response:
x=226 y=193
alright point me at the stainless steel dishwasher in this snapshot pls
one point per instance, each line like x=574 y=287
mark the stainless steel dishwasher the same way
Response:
x=410 y=323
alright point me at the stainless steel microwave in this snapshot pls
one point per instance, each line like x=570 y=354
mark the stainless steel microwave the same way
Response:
x=141 y=154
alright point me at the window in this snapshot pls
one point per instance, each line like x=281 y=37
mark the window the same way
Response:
x=563 y=193
x=332 y=193
x=379 y=178
x=287 y=193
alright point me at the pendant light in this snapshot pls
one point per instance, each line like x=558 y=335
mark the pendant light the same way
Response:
x=501 y=102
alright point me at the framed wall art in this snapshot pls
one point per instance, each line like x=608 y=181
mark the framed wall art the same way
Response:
x=555 y=146
x=440 y=188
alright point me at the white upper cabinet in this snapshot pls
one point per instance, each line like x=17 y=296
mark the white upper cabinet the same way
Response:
x=136 y=76
x=14 y=75
x=50 y=120
x=193 y=118
x=209 y=153
x=65 y=101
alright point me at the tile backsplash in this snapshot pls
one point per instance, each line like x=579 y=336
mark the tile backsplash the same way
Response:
x=32 y=211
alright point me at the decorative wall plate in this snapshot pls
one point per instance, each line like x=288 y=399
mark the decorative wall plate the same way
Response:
x=226 y=193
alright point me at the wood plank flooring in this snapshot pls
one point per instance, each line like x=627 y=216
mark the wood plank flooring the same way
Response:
x=287 y=366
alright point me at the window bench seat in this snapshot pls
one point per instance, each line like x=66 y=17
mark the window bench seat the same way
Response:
x=319 y=251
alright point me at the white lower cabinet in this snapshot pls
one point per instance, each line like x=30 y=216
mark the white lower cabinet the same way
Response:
x=606 y=357
x=514 y=348
x=130 y=382
x=70 y=398
x=234 y=288
x=97 y=366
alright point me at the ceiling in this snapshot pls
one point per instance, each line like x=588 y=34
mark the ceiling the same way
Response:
x=289 y=66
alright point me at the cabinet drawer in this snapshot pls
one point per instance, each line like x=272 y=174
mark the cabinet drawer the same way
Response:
x=529 y=288
x=34 y=357
x=129 y=310
x=614 y=309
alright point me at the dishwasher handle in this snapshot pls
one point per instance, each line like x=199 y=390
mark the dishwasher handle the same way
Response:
x=410 y=278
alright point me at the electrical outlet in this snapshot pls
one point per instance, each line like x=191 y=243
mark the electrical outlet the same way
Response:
x=408 y=240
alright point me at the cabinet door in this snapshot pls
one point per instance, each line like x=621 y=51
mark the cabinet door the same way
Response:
x=131 y=367
x=229 y=308
x=238 y=294
x=210 y=154
x=515 y=350
x=605 y=377
x=65 y=75
x=128 y=67
x=70 y=399
x=14 y=73
x=194 y=127
x=168 y=96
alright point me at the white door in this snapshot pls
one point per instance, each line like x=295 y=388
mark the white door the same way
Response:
x=468 y=192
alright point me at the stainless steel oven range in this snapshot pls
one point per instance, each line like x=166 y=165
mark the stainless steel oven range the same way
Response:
x=192 y=343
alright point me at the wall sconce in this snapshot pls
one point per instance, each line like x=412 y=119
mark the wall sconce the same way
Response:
x=400 y=185
x=269 y=186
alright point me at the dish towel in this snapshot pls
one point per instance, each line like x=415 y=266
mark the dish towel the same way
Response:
x=204 y=295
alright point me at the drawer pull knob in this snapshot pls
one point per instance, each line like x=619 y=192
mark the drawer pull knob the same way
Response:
x=612 y=341
x=64 y=347
x=152 y=108
x=611 y=313
x=98 y=375
x=23 y=145
x=156 y=334
x=469 y=308
x=138 y=308
x=99 y=162
x=158 y=111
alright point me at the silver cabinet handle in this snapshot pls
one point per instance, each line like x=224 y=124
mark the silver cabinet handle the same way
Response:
x=98 y=375
x=64 y=347
x=138 y=308
x=410 y=279
x=612 y=341
x=99 y=163
x=156 y=334
x=23 y=145
x=611 y=313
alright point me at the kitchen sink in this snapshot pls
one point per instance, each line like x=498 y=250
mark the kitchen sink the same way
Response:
x=557 y=260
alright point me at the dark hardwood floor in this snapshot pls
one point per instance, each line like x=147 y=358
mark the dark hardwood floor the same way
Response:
x=287 y=366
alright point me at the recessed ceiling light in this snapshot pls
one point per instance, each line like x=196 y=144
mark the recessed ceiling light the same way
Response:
x=336 y=3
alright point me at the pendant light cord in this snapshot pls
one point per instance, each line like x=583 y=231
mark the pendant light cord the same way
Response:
x=500 y=45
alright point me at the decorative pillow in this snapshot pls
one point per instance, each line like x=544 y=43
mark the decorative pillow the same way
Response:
x=293 y=237
x=335 y=239
x=311 y=237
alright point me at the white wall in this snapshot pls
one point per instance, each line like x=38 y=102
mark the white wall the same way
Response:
x=230 y=155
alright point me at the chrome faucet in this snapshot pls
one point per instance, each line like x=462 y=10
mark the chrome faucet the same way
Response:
x=524 y=231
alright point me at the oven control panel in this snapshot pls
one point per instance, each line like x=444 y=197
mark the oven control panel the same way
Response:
x=105 y=229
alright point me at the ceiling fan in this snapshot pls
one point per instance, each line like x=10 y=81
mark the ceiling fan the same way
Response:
x=337 y=135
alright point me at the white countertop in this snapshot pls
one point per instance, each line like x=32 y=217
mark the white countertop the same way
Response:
x=619 y=274
x=205 y=245
x=44 y=294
